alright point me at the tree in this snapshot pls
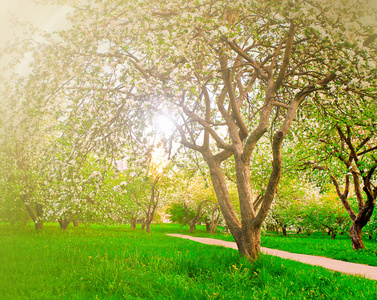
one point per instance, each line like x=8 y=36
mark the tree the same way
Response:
x=349 y=158
x=226 y=73
x=193 y=202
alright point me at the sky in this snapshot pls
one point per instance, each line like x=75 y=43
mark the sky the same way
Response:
x=48 y=17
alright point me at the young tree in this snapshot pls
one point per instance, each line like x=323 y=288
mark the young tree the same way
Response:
x=347 y=153
x=226 y=72
x=192 y=201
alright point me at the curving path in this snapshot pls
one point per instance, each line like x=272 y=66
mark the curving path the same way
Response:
x=328 y=263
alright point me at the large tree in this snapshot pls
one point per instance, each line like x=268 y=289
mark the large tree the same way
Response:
x=226 y=72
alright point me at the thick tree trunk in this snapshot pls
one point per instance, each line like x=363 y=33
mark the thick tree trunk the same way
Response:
x=75 y=223
x=192 y=227
x=208 y=226
x=249 y=243
x=333 y=235
x=64 y=223
x=356 y=237
x=246 y=236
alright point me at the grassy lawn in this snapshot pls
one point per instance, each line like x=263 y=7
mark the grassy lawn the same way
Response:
x=119 y=263
x=316 y=244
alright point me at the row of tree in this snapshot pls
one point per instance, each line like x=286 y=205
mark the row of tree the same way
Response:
x=253 y=87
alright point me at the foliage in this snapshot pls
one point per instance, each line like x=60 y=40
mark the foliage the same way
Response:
x=226 y=73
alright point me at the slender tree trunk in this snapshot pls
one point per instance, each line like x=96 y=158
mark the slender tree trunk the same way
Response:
x=36 y=217
x=38 y=225
x=284 y=230
x=148 y=227
x=356 y=236
x=75 y=223
x=208 y=226
x=192 y=227
x=133 y=223
x=214 y=220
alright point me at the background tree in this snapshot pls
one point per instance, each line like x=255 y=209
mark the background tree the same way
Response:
x=344 y=148
x=226 y=73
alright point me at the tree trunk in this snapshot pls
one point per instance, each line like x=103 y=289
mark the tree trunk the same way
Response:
x=75 y=223
x=36 y=217
x=64 y=223
x=284 y=230
x=133 y=223
x=192 y=227
x=208 y=226
x=38 y=225
x=298 y=230
x=356 y=237
x=246 y=237
x=148 y=227
x=333 y=235
x=249 y=243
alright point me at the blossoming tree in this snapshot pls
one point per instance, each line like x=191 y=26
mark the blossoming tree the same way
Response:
x=226 y=72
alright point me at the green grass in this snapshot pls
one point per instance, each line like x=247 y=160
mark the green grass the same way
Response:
x=322 y=245
x=119 y=263
x=319 y=244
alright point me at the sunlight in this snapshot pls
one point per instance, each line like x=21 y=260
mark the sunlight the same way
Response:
x=159 y=160
x=163 y=125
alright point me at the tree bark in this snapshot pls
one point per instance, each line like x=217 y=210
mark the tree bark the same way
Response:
x=37 y=217
x=284 y=230
x=356 y=236
x=133 y=223
x=148 y=227
x=64 y=223
x=249 y=243
x=214 y=220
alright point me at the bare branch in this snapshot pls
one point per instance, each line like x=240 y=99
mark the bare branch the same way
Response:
x=287 y=55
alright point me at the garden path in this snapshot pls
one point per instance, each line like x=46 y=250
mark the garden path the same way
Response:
x=328 y=263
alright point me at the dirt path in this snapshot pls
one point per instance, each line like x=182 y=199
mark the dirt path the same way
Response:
x=328 y=263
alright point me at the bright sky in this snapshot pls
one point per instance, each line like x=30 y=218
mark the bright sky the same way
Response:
x=48 y=17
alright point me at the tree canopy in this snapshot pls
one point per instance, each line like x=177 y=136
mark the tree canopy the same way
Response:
x=227 y=74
